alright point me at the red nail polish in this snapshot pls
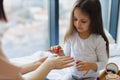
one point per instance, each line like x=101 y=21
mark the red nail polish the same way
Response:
x=77 y=62
x=57 y=51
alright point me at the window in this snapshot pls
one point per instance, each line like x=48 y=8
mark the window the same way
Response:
x=64 y=17
x=28 y=21
x=106 y=6
x=118 y=34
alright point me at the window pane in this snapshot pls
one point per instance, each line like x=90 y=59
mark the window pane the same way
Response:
x=64 y=18
x=28 y=21
x=118 y=34
x=106 y=6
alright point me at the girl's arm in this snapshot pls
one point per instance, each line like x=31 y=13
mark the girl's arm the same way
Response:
x=101 y=53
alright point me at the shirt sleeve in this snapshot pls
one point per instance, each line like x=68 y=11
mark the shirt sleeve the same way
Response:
x=67 y=48
x=101 y=53
x=7 y=70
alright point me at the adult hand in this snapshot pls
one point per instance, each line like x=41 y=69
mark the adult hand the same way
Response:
x=59 y=62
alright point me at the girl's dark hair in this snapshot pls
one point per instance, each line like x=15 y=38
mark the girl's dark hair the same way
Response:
x=2 y=13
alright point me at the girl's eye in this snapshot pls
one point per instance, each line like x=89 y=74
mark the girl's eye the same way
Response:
x=83 y=21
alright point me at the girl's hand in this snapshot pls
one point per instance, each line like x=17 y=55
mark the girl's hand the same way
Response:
x=59 y=62
x=57 y=50
x=85 y=66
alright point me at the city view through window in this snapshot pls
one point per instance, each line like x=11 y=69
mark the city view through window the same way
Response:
x=27 y=29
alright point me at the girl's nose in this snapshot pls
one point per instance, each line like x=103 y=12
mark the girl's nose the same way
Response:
x=78 y=23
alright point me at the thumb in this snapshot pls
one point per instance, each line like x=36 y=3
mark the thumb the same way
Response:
x=55 y=55
x=85 y=73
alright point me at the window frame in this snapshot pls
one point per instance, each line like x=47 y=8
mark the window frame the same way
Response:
x=114 y=18
x=54 y=22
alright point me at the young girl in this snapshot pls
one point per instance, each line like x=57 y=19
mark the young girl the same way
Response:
x=86 y=41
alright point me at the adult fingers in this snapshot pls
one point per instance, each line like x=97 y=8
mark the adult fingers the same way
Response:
x=68 y=65
x=85 y=72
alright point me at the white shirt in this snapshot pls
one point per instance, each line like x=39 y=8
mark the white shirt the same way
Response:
x=92 y=49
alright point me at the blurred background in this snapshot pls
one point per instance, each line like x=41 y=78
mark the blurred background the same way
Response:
x=35 y=25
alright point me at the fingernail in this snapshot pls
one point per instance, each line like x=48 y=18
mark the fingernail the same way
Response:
x=77 y=62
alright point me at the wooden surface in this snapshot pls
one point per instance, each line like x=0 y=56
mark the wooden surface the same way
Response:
x=103 y=74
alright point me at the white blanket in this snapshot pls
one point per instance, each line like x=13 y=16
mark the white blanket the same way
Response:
x=57 y=74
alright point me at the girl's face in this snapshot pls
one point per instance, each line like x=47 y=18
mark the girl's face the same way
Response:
x=81 y=21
